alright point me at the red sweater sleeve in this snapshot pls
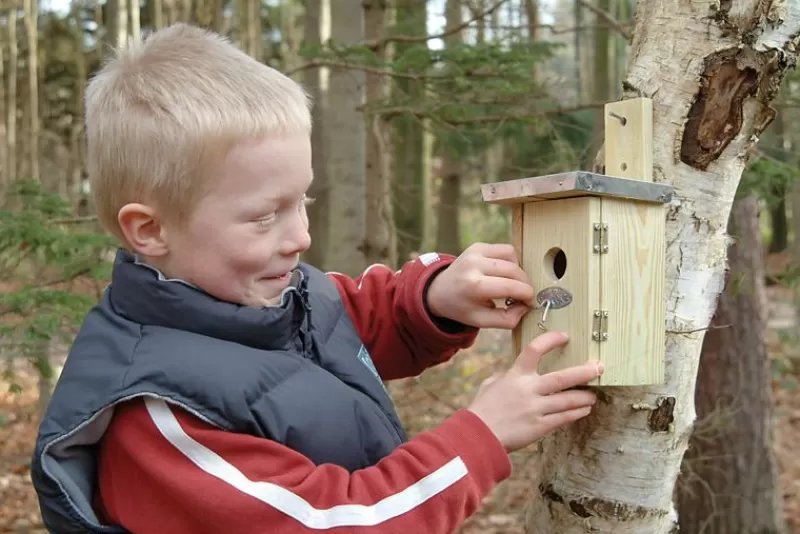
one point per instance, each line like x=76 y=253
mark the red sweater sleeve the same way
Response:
x=390 y=313
x=163 y=470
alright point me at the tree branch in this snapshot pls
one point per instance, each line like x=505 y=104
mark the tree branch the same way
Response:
x=389 y=72
x=512 y=115
x=378 y=43
x=608 y=18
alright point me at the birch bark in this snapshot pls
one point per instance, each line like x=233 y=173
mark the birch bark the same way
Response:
x=712 y=68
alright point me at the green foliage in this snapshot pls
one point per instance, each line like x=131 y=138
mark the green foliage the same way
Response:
x=40 y=254
x=769 y=178
x=472 y=93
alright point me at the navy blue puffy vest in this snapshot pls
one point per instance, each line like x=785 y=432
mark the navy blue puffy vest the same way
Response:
x=297 y=373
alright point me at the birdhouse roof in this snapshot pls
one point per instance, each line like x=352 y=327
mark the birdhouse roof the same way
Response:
x=574 y=184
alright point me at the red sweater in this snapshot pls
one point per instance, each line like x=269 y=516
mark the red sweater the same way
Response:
x=162 y=470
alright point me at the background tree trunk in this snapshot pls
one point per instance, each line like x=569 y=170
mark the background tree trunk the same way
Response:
x=379 y=237
x=601 y=75
x=3 y=141
x=448 y=228
x=411 y=166
x=711 y=75
x=729 y=482
x=317 y=31
x=32 y=40
x=345 y=149
x=11 y=92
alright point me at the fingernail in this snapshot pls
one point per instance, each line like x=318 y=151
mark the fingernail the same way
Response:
x=600 y=368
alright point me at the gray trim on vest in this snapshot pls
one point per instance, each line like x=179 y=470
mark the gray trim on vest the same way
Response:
x=296 y=373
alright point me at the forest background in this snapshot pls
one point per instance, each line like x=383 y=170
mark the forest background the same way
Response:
x=417 y=103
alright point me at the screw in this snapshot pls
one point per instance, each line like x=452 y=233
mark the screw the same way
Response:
x=620 y=118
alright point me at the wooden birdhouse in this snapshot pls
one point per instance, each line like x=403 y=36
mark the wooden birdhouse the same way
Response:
x=593 y=246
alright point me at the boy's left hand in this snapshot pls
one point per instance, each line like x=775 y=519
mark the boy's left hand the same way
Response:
x=466 y=290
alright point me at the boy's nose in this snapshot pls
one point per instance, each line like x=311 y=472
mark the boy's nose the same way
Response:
x=297 y=239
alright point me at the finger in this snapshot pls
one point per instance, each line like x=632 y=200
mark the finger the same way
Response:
x=501 y=251
x=550 y=422
x=503 y=269
x=566 y=401
x=532 y=353
x=567 y=378
x=505 y=318
x=490 y=287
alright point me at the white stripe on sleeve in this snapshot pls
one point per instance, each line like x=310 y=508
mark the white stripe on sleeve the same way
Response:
x=291 y=504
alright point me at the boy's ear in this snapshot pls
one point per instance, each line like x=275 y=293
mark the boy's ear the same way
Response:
x=142 y=229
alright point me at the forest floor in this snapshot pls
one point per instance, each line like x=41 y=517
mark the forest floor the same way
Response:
x=423 y=403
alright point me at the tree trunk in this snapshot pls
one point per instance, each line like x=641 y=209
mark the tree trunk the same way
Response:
x=601 y=74
x=135 y=12
x=711 y=75
x=121 y=38
x=448 y=233
x=448 y=227
x=729 y=481
x=11 y=91
x=31 y=8
x=580 y=87
x=411 y=166
x=291 y=39
x=795 y=247
x=779 y=221
x=317 y=30
x=379 y=245
x=157 y=14
x=345 y=149
x=78 y=148
x=3 y=142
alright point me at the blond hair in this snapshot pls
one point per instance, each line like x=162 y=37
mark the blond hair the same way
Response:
x=162 y=115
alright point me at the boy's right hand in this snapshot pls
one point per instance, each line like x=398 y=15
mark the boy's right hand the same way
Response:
x=520 y=406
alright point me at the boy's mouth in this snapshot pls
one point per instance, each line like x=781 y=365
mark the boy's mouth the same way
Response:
x=280 y=278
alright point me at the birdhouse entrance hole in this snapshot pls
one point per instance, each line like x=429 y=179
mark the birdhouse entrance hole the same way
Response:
x=555 y=263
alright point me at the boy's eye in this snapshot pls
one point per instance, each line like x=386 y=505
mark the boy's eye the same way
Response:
x=265 y=222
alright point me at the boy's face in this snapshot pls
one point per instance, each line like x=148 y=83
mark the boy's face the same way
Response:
x=243 y=238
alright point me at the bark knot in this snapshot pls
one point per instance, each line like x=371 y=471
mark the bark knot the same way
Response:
x=716 y=117
x=586 y=507
x=661 y=417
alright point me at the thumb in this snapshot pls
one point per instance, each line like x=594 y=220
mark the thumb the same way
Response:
x=532 y=353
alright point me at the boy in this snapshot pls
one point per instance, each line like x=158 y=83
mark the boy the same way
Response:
x=221 y=385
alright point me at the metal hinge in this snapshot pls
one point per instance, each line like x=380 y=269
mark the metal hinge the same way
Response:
x=600 y=325
x=600 y=238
